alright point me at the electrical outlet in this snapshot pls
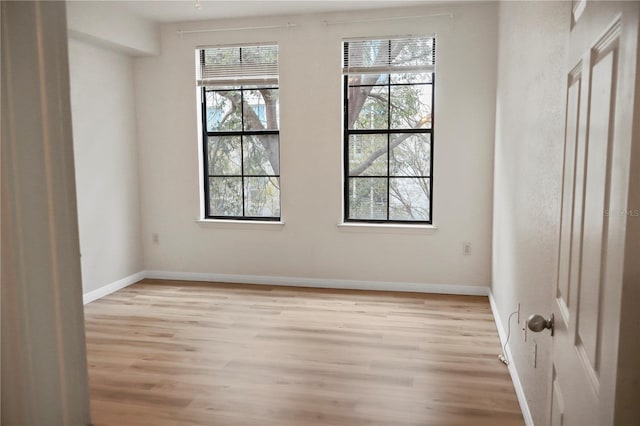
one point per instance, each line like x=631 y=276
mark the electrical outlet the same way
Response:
x=155 y=238
x=466 y=249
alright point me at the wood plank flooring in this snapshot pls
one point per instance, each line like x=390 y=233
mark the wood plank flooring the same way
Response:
x=183 y=353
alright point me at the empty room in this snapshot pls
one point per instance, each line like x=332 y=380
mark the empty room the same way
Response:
x=346 y=213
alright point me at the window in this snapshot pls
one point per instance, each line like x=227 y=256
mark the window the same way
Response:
x=388 y=130
x=240 y=126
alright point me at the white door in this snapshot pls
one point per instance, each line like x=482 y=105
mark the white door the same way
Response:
x=601 y=74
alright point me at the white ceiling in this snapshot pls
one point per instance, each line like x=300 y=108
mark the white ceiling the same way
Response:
x=186 y=10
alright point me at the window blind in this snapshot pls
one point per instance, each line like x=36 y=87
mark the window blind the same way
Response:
x=382 y=56
x=227 y=66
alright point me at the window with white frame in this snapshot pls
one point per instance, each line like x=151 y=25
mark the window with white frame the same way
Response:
x=240 y=131
x=388 y=129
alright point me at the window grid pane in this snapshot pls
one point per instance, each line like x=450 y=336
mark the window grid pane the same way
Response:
x=368 y=198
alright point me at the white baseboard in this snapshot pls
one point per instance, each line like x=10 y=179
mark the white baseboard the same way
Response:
x=468 y=290
x=517 y=384
x=113 y=287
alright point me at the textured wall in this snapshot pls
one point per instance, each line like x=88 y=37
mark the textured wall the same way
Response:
x=528 y=173
x=106 y=160
x=310 y=244
x=109 y=24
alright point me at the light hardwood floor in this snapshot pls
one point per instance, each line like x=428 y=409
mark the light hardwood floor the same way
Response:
x=183 y=353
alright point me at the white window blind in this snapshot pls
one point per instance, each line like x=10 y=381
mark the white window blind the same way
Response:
x=382 y=56
x=227 y=66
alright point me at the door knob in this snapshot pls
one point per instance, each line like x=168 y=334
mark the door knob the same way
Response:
x=537 y=323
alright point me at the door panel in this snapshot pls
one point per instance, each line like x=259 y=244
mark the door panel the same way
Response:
x=601 y=108
x=557 y=403
x=563 y=292
x=587 y=294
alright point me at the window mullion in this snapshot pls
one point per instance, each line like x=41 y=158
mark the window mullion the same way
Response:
x=205 y=147
x=242 y=139
x=389 y=134
x=346 y=158
x=242 y=146
x=433 y=91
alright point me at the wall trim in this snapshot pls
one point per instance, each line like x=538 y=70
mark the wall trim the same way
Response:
x=468 y=290
x=513 y=371
x=112 y=287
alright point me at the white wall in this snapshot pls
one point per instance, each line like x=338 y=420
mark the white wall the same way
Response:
x=310 y=244
x=108 y=24
x=106 y=160
x=528 y=174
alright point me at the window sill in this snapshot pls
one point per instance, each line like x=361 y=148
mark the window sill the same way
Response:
x=240 y=224
x=387 y=228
